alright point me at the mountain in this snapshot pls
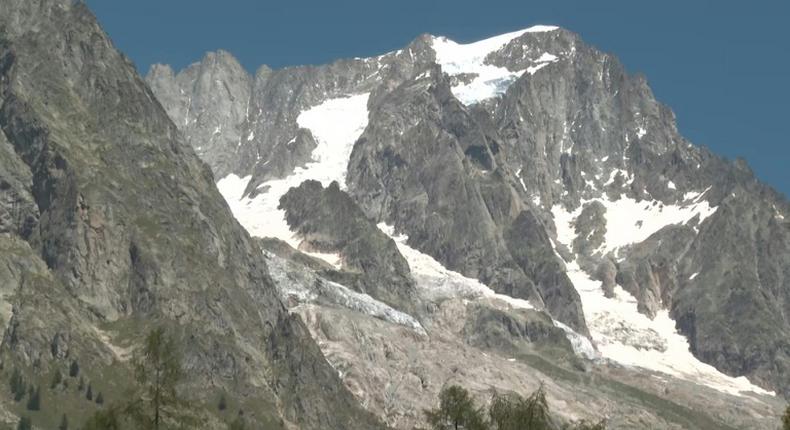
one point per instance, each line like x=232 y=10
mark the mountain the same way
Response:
x=555 y=224
x=110 y=225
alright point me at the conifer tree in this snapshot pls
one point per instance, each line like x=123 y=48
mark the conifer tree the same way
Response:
x=24 y=424
x=34 y=400
x=64 y=423
x=105 y=419
x=18 y=386
x=456 y=411
x=158 y=371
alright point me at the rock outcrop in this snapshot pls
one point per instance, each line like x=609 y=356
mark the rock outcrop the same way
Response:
x=111 y=224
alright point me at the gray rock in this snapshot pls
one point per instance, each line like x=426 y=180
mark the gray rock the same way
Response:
x=329 y=221
x=130 y=232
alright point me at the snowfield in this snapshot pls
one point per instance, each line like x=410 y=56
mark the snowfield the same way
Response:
x=621 y=333
x=335 y=124
x=629 y=221
x=489 y=80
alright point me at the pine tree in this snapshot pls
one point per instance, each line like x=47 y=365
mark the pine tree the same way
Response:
x=74 y=369
x=237 y=424
x=99 y=399
x=34 y=401
x=24 y=424
x=456 y=411
x=89 y=392
x=513 y=412
x=81 y=384
x=786 y=419
x=17 y=384
x=158 y=371
x=64 y=423
x=105 y=419
x=223 y=404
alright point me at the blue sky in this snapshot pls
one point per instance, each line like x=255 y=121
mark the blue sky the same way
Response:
x=722 y=66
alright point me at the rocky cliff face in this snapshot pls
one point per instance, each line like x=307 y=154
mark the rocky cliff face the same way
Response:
x=536 y=164
x=110 y=224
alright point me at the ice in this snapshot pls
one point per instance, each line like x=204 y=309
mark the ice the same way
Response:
x=436 y=282
x=335 y=124
x=620 y=332
x=489 y=80
x=625 y=335
x=307 y=288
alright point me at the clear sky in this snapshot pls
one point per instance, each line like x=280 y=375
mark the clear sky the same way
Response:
x=722 y=66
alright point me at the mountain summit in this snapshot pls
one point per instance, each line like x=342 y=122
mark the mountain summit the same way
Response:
x=328 y=247
x=529 y=168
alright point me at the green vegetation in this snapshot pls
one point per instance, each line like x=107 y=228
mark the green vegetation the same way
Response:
x=786 y=419
x=237 y=424
x=108 y=419
x=74 y=369
x=17 y=385
x=24 y=424
x=139 y=394
x=513 y=412
x=57 y=378
x=457 y=411
x=157 y=371
x=34 y=399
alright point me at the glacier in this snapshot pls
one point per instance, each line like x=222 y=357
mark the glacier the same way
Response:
x=620 y=332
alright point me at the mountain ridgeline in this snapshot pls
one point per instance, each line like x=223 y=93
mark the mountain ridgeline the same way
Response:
x=111 y=224
x=331 y=247
x=477 y=184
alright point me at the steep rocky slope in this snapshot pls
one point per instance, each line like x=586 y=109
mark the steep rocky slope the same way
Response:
x=534 y=163
x=110 y=224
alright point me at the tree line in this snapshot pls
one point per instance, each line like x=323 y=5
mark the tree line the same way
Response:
x=154 y=402
x=458 y=411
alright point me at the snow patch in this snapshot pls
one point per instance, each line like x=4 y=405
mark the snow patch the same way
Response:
x=691 y=278
x=521 y=179
x=614 y=173
x=629 y=221
x=335 y=124
x=489 y=80
x=641 y=132
x=671 y=185
x=620 y=332
x=625 y=335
